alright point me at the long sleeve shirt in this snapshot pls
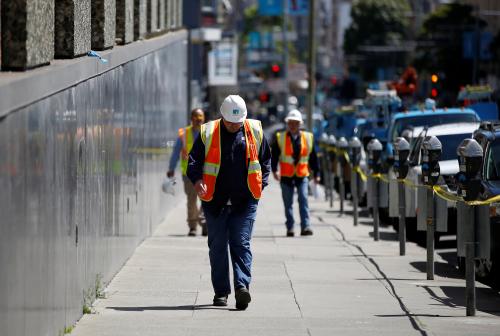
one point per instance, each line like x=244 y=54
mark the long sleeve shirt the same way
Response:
x=231 y=183
x=296 y=145
x=176 y=154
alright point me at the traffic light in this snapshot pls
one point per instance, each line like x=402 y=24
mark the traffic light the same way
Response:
x=434 y=85
x=264 y=97
x=276 y=70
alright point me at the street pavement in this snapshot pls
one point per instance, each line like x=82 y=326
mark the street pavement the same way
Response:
x=337 y=282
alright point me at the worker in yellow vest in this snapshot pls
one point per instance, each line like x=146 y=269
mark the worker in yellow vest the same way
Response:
x=229 y=166
x=294 y=151
x=182 y=147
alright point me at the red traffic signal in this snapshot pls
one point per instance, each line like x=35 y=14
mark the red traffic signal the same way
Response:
x=275 y=68
x=264 y=97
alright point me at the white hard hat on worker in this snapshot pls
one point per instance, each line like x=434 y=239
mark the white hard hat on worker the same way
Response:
x=294 y=115
x=234 y=109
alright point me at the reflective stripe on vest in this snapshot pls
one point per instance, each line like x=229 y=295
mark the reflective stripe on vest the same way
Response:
x=186 y=136
x=287 y=165
x=210 y=135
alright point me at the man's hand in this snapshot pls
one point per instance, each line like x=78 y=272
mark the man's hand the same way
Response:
x=170 y=174
x=200 y=187
x=276 y=176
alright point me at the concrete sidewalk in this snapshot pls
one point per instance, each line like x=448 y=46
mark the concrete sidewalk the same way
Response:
x=337 y=282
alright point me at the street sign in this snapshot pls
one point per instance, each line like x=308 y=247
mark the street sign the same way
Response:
x=275 y=7
x=298 y=7
x=270 y=7
x=222 y=64
x=470 y=45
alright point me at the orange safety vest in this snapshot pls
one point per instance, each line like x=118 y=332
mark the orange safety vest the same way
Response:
x=287 y=166
x=210 y=135
x=186 y=136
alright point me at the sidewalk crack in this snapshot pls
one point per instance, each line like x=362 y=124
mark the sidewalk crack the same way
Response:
x=415 y=322
x=295 y=296
x=293 y=290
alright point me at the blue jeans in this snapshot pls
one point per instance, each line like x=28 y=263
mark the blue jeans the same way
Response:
x=287 y=191
x=231 y=228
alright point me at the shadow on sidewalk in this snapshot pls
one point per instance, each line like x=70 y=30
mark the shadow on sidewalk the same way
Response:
x=487 y=299
x=389 y=236
x=168 y=308
x=441 y=269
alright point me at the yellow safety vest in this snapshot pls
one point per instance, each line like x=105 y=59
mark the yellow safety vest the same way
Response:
x=287 y=166
x=186 y=136
x=210 y=135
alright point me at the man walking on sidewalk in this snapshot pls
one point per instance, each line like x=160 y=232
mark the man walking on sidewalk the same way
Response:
x=229 y=166
x=294 y=151
x=182 y=148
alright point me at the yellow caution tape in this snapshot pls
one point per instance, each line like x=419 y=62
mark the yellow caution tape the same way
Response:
x=408 y=183
x=446 y=195
x=380 y=177
x=346 y=156
x=332 y=149
x=360 y=172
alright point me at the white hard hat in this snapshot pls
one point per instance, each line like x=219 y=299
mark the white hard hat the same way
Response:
x=168 y=186
x=294 y=115
x=233 y=109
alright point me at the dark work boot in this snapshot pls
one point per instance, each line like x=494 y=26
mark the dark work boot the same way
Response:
x=243 y=298
x=306 y=232
x=220 y=300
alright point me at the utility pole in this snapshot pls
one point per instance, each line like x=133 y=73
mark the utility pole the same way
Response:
x=284 y=30
x=312 y=63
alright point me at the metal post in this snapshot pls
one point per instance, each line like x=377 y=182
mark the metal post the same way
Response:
x=376 y=234
x=430 y=234
x=285 y=54
x=341 y=185
x=402 y=218
x=325 y=176
x=354 y=192
x=331 y=181
x=189 y=75
x=312 y=62
x=470 y=279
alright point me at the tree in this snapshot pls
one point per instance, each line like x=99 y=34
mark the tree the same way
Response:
x=376 y=22
x=440 y=46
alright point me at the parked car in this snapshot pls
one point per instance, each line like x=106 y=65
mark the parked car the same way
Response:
x=488 y=136
x=405 y=120
x=450 y=136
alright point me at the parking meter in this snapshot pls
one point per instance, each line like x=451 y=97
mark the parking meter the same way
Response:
x=342 y=146
x=355 y=151
x=470 y=158
x=374 y=148
x=323 y=142
x=332 y=142
x=431 y=152
x=401 y=153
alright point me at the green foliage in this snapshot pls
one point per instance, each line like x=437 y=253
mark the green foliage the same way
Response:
x=252 y=20
x=376 y=22
x=92 y=293
x=68 y=330
x=440 y=46
x=86 y=310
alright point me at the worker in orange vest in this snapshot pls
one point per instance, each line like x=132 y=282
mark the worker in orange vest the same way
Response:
x=182 y=147
x=229 y=166
x=294 y=151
